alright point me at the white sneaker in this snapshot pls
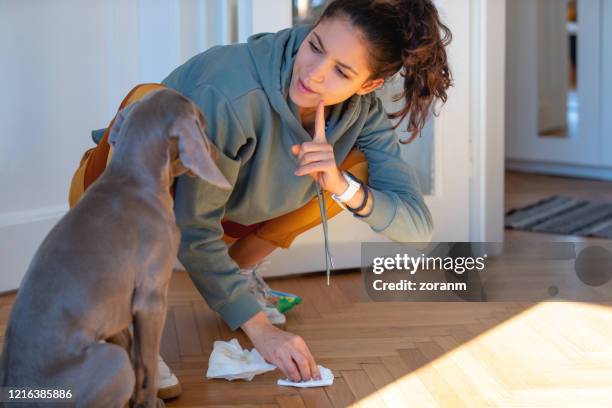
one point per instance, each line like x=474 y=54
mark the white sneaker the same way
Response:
x=260 y=289
x=256 y=283
x=168 y=386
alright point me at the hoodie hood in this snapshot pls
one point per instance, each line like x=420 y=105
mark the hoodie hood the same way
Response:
x=273 y=56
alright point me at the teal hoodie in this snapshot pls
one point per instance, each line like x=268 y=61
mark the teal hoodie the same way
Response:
x=243 y=91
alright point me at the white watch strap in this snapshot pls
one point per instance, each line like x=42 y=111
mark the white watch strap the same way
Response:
x=353 y=187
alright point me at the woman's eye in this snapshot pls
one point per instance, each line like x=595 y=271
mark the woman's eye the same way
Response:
x=314 y=47
x=318 y=51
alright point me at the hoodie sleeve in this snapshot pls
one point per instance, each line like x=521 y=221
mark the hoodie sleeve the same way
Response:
x=399 y=211
x=199 y=209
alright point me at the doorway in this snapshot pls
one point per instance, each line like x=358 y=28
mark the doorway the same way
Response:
x=555 y=89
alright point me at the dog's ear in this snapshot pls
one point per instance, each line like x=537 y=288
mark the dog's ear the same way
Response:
x=195 y=152
x=119 y=119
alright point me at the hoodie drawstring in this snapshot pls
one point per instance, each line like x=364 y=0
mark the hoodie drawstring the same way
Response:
x=322 y=210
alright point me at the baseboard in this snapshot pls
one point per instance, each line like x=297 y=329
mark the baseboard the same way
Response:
x=560 y=169
x=21 y=232
x=311 y=258
x=304 y=258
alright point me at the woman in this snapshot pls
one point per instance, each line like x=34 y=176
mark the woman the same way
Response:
x=267 y=103
x=288 y=112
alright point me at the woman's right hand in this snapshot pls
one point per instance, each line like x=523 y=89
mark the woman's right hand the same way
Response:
x=285 y=350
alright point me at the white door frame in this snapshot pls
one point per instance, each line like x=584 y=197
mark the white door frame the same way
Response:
x=488 y=104
x=606 y=84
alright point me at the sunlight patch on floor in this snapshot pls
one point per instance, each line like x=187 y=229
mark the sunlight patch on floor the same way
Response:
x=550 y=355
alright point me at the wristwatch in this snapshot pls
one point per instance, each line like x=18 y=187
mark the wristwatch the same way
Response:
x=350 y=192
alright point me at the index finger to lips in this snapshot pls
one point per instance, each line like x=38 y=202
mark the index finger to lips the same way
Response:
x=316 y=147
x=319 y=135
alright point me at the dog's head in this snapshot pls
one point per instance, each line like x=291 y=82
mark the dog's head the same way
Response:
x=183 y=124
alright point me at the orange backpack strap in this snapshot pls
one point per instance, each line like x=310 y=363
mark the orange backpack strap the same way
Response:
x=94 y=160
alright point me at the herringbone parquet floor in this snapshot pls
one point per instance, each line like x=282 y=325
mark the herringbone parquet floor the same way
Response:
x=408 y=354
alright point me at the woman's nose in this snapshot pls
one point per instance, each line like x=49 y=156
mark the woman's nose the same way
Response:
x=317 y=73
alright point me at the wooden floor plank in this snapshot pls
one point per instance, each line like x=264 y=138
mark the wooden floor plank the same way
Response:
x=353 y=292
x=409 y=382
x=306 y=290
x=391 y=393
x=437 y=385
x=459 y=382
x=290 y=401
x=340 y=394
x=315 y=398
x=8 y=298
x=466 y=362
x=362 y=388
x=169 y=349
x=188 y=338
x=206 y=326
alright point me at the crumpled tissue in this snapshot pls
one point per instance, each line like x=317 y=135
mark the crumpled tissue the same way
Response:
x=327 y=378
x=230 y=361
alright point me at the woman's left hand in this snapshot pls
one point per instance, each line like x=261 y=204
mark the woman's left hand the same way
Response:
x=317 y=158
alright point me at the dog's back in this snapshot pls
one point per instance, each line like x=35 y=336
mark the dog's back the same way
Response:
x=80 y=283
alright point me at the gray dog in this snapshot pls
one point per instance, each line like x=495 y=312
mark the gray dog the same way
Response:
x=107 y=265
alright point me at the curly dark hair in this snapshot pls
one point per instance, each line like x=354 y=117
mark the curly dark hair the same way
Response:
x=406 y=36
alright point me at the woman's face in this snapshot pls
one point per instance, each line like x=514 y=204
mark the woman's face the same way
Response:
x=331 y=64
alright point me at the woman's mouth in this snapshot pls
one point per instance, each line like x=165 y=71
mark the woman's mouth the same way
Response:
x=304 y=89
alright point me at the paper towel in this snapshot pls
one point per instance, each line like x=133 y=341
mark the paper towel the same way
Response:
x=230 y=361
x=327 y=378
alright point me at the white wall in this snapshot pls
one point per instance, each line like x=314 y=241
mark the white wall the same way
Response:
x=66 y=66
x=50 y=101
